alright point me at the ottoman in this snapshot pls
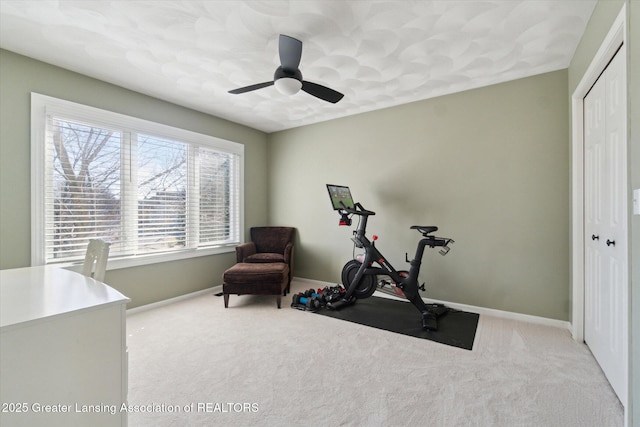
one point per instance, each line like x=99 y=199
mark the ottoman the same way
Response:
x=256 y=279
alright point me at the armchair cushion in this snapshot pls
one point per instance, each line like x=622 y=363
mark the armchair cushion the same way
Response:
x=265 y=257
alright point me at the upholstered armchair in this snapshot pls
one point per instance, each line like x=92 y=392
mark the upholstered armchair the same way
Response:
x=269 y=244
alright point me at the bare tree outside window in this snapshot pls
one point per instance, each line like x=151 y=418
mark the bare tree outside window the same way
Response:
x=153 y=191
x=162 y=193
x=86 y=176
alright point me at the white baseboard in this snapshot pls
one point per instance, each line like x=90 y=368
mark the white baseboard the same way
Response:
x=139 y=309
x=469 y=308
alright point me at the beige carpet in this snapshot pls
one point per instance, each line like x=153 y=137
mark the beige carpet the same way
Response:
x=193 y=363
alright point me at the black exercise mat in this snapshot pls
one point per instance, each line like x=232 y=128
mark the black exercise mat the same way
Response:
x=455 y=328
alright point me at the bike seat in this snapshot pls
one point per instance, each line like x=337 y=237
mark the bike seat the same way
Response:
x=424 y=229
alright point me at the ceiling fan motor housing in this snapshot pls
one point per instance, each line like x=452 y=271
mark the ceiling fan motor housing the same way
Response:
x=282 y=72
x=287 y=81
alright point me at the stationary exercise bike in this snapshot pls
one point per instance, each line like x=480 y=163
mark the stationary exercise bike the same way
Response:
x=360 y=276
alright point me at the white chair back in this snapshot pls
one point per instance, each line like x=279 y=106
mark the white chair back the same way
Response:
x=95 y=261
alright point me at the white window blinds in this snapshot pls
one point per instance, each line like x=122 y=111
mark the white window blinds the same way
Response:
x=144 y=190
x=82 y=192
x=161 y=194
x=218 y=197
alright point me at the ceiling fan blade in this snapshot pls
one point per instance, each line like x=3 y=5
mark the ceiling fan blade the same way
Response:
x=250 y=88
x=321 y=92
x=290 y=52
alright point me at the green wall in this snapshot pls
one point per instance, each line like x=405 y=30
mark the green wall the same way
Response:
x=19 y=76
x=489 y=166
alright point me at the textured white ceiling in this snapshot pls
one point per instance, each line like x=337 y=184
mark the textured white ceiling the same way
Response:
x=377 y=53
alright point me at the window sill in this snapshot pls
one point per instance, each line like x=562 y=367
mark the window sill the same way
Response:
x=116 y=263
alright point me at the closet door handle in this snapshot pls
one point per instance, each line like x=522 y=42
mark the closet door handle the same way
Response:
x=611 y=242
x=594 y=237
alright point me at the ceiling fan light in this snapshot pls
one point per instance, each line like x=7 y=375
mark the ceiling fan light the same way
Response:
x=288 y=85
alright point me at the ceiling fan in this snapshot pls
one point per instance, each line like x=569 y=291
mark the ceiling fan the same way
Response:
x=288 y=78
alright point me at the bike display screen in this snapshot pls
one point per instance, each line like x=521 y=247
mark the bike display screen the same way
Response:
x=340 y=193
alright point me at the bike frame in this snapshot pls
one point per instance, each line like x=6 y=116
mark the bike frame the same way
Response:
x=409 y=284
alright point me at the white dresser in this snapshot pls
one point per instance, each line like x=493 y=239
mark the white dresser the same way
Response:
x=63 y=359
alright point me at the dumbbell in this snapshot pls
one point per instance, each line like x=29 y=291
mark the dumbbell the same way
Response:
x=300 y=296
x=310 y=302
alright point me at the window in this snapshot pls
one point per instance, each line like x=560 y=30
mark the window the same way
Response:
x=154 y=192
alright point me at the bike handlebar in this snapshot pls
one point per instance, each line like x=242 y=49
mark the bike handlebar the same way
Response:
x=361 y=241
x=358 y=209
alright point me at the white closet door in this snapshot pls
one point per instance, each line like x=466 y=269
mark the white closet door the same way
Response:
x=606 y=251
